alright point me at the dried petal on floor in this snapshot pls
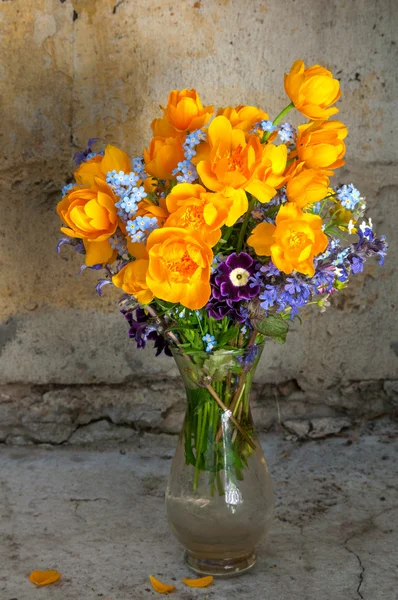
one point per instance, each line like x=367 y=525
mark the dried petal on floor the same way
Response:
x=161 y=588
x=44 y=577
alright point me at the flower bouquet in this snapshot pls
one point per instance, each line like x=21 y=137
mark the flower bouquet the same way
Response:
x=218 y=234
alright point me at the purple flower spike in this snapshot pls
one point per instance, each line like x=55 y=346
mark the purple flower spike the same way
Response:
x=233 y=278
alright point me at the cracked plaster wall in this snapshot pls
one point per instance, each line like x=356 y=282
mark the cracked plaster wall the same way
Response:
x=74 y=70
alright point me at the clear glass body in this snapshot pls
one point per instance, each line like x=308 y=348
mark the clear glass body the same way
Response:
x=219 y=499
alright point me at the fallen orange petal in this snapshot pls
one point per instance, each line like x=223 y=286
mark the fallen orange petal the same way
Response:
x=160 y=587
x=198 y=583
x=44 y=577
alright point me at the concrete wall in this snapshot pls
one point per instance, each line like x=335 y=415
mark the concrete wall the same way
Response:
x=70 y=70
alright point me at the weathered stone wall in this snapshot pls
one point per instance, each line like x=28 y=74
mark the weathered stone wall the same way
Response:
x=70 y=70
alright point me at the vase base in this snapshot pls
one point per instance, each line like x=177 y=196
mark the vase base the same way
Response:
x=223 y=567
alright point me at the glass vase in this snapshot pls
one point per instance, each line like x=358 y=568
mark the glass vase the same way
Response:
x=219 y=498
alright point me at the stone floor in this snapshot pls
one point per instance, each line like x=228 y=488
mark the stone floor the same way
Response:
x=97 y=516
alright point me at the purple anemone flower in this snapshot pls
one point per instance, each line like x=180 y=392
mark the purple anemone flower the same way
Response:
x=233 y=278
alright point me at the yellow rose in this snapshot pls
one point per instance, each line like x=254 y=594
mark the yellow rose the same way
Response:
x=312 y=90
x=293 y=242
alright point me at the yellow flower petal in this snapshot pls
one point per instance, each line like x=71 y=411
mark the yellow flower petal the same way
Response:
x=161 y=588
x=198 y=583
x=44 y=577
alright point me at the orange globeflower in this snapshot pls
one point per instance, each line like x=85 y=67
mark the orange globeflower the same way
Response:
x=312 y=90
x=185 y=111
x=162 y=127
x=231 y=161
x=307 y=186
x=320 y=144
x=163 y=156
x=90 y=214
x=146 y=208
x=293 y=242
x=114 y=159
x=195 y=209
x=243 y=117
x=179 y=266
x=132 y=280
x=270 y=174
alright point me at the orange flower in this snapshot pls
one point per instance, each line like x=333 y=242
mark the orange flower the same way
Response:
x=293 y=242
x=312 y=90
x=163 y=128
x=90 y=214
x=161 y=588
x=179 y=266
x=132 y=280
x=243 y=117
x=195 y=209
x=98 y=166
x=185 y=111
x=146 y=208
x=307 y=186
x=270 y=174
x=320 y=144
x=44 y=577
x=163 y=156
x=231 y=162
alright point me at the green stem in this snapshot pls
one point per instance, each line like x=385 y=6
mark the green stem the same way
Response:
x=199 y=443
x=276 y=121
x=244 y=225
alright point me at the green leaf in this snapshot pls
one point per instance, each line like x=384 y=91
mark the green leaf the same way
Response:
x=273 y=326
x=218 y=364
x=227 y=336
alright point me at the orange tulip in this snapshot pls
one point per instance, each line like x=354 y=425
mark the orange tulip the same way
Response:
x=312 y=90
x=243 y=117
x=90 y=214
x=132 y=280
x=163 y=156
x=231 y=161
x=195 y=209
x=293 y=242
x=320 y=144
x=179 y=266
x=97 y=167
x=307 y=186
x=185 y=111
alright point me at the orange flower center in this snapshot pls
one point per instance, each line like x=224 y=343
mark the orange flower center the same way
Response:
x=193 y=217
x=235 y=161
x=181 y=270
x=297 y=239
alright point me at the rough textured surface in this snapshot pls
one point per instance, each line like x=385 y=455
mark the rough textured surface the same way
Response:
x=98 y=517
x=71 y=70
x=87 y=414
